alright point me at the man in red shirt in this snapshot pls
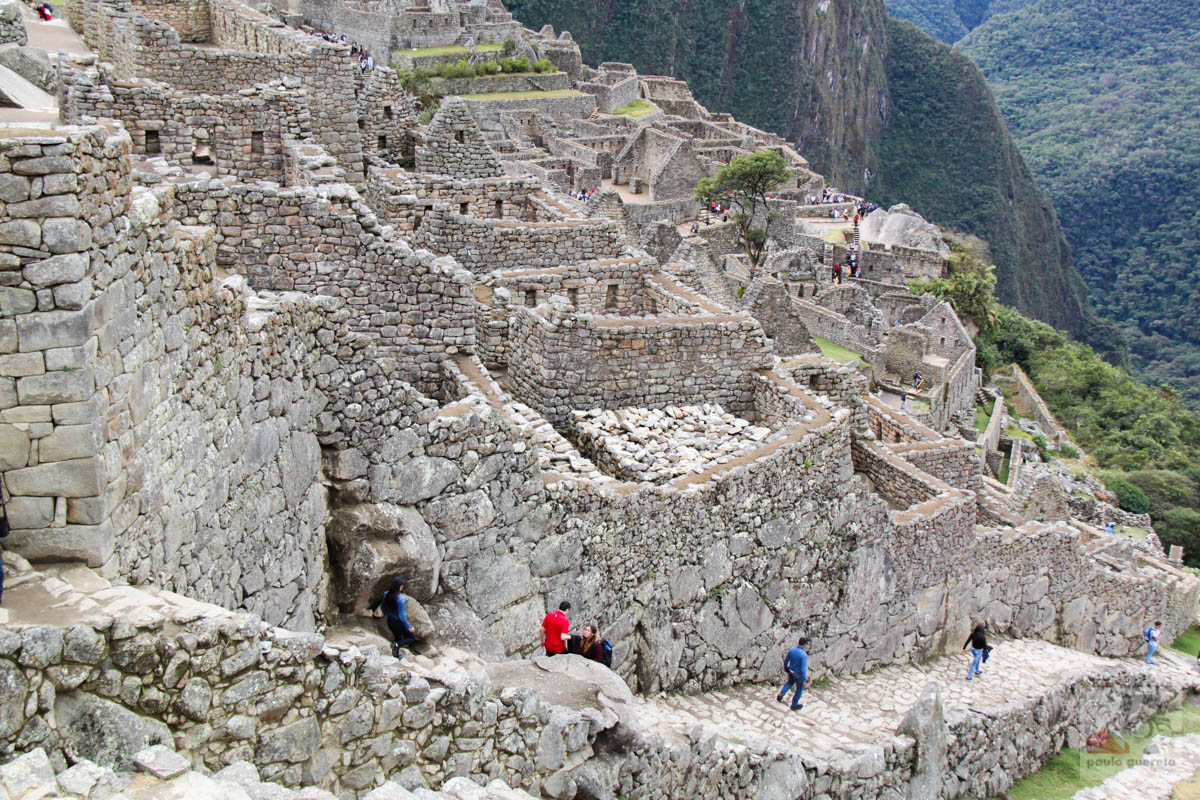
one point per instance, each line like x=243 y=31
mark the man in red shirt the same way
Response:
x=557 y=625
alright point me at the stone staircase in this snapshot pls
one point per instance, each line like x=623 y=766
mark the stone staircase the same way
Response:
x=845 y=717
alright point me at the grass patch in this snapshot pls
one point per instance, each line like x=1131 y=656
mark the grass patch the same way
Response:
x=556 y=93
x=1003 y=475
x=1188 y=641
x=836 y=352
x=836 y=235
x=1073 y=770
x=1188 y=790
x=1015 y=432
x=983 y=415
x=449 y=50
x=636 y=108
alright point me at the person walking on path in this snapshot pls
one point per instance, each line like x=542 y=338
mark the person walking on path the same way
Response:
x=795 y=664
x=393 y=605
x=1153 y=637
x=977 y=641
x=557 y=626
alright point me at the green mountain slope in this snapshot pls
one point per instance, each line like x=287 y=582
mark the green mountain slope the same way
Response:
x=950 y=20
x=820 y=73
x=1104 y=99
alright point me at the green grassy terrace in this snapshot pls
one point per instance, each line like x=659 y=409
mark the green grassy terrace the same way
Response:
x=636 y=108
x=836 y=352
x=551 y=95
x=449 y=50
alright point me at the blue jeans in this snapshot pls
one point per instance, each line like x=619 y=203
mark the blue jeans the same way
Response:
x=794 y=679
x=978 y=657
x=1151 y=647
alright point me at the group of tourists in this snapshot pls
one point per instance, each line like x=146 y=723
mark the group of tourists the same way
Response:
x=558 y=638
x=366 y=62
x=583 y=195
x=826 y=197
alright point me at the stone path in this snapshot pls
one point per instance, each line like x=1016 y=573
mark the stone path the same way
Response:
x=846 y=713
x=1168 y=761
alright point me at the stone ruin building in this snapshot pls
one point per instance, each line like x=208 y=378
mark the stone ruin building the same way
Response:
x=267 y=340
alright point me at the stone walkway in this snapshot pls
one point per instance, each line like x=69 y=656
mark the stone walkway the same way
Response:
x=1168 y=761
x=846 y=713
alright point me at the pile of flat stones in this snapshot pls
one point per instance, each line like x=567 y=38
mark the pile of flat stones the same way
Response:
x=659 y=444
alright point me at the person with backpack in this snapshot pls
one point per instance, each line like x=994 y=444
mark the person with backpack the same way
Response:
x=1153 y=637
x=795 y=664
x=393 y=606
x=589 y=645
x=977 y=641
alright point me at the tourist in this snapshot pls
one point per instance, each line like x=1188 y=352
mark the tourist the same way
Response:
x=725 y=215
x=590 y=646
x=837 y=274
x=45 y=13
x=557 y=626
x=1110 y=529
x=1153 y=637
x=795 y=664
x=393 y=606
x=977 y=641
x=696 y=227
x=903 y=401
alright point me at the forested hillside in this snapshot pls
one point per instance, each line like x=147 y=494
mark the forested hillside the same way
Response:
x=1104 y=99
x=950 y=20
x=877 y=107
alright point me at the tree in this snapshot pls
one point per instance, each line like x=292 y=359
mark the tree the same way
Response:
x=969 y=282
x=743 y=185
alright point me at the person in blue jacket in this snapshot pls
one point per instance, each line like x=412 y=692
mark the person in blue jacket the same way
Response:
x=393 y=605
x=795 y=663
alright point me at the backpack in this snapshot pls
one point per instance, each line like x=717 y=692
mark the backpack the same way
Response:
x=606 y=650
x=1149 y=634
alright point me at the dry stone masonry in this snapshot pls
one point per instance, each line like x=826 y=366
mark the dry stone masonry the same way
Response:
x=267 y=340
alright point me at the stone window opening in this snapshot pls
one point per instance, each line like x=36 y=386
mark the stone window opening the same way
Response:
x=387 y=112
x=573 y=296
x=530 y=298
x=943 y=341
x=610 y=296
x=256 y=142
x=417 y=222
x=382 y=142
x=499 y=209
x=460 y=137
x=153 y=145
x=464 y=208
x=202 y=155
x=362 y=124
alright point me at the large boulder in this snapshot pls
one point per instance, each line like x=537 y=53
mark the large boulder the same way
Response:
x=925 y=723
x=371 y=543
x=104 y=732
x=900 y=225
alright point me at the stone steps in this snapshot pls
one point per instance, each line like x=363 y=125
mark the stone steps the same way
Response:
x=841 y=716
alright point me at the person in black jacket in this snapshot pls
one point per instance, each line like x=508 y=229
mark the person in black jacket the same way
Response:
x=393 y=606
x=977 y=641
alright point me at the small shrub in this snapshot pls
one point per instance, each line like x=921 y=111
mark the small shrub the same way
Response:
x=1129 y=497
x=487 y=68
x=1066 y=451
x=1043 y=446
x=512 y=65
x=510 y=47
x=543 y=65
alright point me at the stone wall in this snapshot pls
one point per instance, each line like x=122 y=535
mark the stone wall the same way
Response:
x=561 y=360
x=12 y=26
x=251 y=49
x=1040 y=411
x=242 y=136
x=231 y=688
x=133 y=374
x=484 y=245
x=326 y=241
x=453 y=144
x=561 y=109
x=191 y=19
